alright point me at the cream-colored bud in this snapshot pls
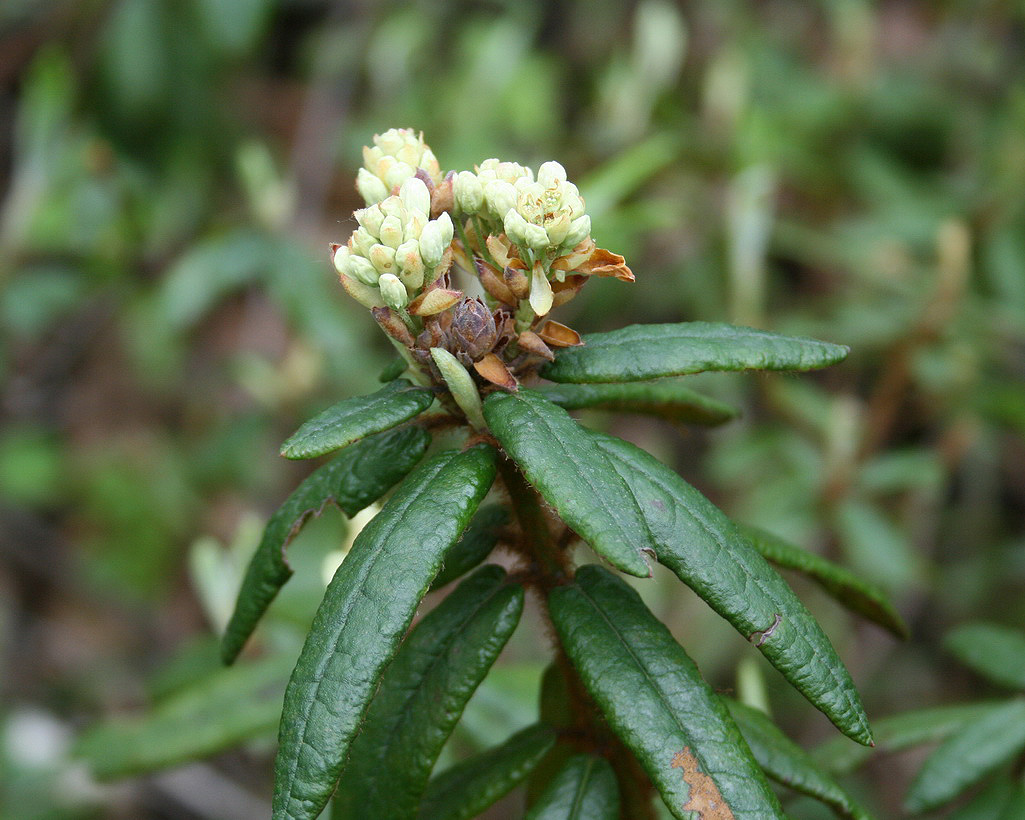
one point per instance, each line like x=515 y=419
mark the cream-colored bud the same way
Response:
x=579 y=230
x=447 y=228
x=515 y=227
x=363 y=270
x=341 y=260
x=500 y=197
x=415 y=221
x=370 y=187
x=557 y=229
x=383 y=258
x=393 y=291
x=371 y=156
x=391 y=232
x=362 y=241
x=398 y=173
x=410 y=264
x=392 y=140
x=415 y=196
x=468 y=192
x=392 y=206
x=551 y=173
x=432 y=243
x=536 y=237
x=541 y=296
x=409 y=154
x=371 y=219
x=429 y=163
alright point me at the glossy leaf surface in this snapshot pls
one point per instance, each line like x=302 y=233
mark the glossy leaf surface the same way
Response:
x=639 y=352
x=422 y=694
x=655 y=699
x=560 y=459
x=707 y=552
x=352 y=419
x=464 y=790
x=354 y=480
x=476 y=544
x=366 y=610
x=585 y=789
x=859 y=596
x=669 y=400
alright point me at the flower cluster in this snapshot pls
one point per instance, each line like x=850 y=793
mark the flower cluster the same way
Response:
x=396 y=156
x=397 y=248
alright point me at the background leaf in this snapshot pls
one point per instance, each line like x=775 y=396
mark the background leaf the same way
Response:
x=995 y=652
x=585 y=789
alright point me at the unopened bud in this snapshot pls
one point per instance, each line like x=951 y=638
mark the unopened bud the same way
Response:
x=371 y=218
x=341 y=259
x=467 y=192
x=410 y=264
x=370 y=187
x=579 y=230
x=397 y=173
x=515 y=227
x=500 y=197
x=551 y=173
x=473 y=328
x=383 y=258
x=415 y=196
x=432 y=240
x=536 y=237
x=361 y=269
x=392 y=291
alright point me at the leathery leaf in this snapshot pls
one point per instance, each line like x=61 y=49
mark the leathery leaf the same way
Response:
x=464 y=790
x=787 y=763
x=656 y=701
x=367 y=608
x=585 y=789
x=559 y=458
x=352 y=419
x=695 y=540
x=422 y=694
x=639 y=352
x=476 y=544
x=668 y=400
x=352 y=481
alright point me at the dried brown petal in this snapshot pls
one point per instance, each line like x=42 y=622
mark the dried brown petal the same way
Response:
x=494 y=370
x=517 y=282
x=557 y=334
x=392 y=325
x=441 y=197
x=434 y=301
x=566 y=290
x=493 y=284
x=606 y=263
x=530 y=342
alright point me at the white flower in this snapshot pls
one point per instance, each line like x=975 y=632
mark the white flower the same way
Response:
x=395 y=157
x=467 y=192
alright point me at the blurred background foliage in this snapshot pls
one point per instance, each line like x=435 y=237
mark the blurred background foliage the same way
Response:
x=171 y=174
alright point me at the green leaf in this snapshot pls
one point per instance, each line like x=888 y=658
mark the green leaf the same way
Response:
x=640 y=352
x=354 y=480
x=366 y=610
x=653 y=697
x=857 y=595
x=969 y=755
x=476 y=544
x=226 y=708
x=559 y=458
x=995 y=652
x=464 y=790
x=585 y=789
x=787 y=763
x=705 y=550
x=897 y=732
x=352 y=419
x=395 y=368
x=667 y=399
x=422 y=695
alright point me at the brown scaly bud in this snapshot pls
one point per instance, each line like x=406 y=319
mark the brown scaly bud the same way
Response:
x=392 y=325
x=557 y=334
x=441 y=195
x=433 y=335
x=493 y=283
x=473 y=328
x=530 y=342
x=517 y=281
x=494 y=370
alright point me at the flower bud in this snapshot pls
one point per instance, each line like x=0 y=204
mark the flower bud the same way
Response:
x=341 y=260
x=551 y=173
x=392 y=206
x=391 y=232
x=473 y=328
x=397 y=173
x=361 y=241
x=500 y=197
x=415 y=196
x=468 y=192
x=535 y=237
x=361 y=269
x=516 y=227
x=579 y=230
x=409 y=261
x=370 y=187
x=371 y=219
x=432 y=242
x=383 y=258
x=393 y=291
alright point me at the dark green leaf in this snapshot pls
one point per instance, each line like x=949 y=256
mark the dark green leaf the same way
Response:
x=352 y=419
x=669 y=400
x=655 y=700
x=787 y=763
x=1014 y=807
x=365 y=612
x=357 y=478
x=559 y=458
x=395 y=368
x=463 y=791
x=585 y=789
x=969 y=755
x=422 y=695
x=703 y=547
x=220 y=711
x=640 y=352
x=857 y=595
x=995 y=652
x=476 y=544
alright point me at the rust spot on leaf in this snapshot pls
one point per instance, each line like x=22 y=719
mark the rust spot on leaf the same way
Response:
x=705 y=797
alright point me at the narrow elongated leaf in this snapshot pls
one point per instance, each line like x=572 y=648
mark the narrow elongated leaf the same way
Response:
x=464 y=790
x=214 y=714
x=705 y=550
x=897 y=732
x=669 y=400
x=422 y=695
x=559 y=458
x=366 y=609
x=655 y=699
x=354 y=480
x=352 y=419
x=787 y=763
x=585 y=789
x=857 y=595
x=640 y=352
x=995 y=652
x=476 y=544
x=969 y=755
